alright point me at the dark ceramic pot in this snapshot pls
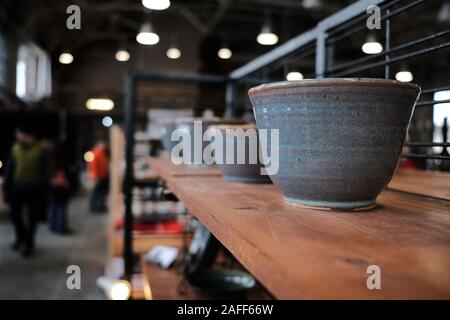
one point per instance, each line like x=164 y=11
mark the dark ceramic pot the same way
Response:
x=340 y=139
x=250 y=170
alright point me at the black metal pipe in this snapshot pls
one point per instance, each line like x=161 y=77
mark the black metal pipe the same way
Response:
x=393 y=60
x=430 y=103
x=425 y=156
x=130 y=99
x=179 y=77
x=387 y=46
x=230 y=99
x=427 y=144
x=388 y=51
x=433 y=90
x=384 y=17
x=131 y=80
x=358 y=19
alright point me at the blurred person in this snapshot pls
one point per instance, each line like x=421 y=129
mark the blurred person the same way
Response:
x=99 y=172
x=59 y=192
x=26 y=179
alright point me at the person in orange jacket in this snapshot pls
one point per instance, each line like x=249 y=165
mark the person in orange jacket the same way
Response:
x=99 y=171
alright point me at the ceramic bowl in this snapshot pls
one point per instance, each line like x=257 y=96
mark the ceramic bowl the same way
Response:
x=250 y=170
x=183 y=124
x=189 y=127
x=339 y=139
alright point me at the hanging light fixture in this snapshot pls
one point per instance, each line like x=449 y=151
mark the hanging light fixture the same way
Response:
x=146 y=35
x=372 y=46
x=122 y=55
x=224 y=53
x=294 y=76
x=65 y=58
x=267 y=37
x=404 y=76
x=156 y=4
x=173 y=52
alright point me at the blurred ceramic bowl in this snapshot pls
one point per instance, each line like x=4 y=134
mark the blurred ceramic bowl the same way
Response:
x=189 y=126
x=339 y=139
x=245 y=166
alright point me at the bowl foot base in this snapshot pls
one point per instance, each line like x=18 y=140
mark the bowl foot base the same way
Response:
x=332 y=205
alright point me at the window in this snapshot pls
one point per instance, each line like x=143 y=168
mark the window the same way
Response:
x=33 y=73
x=440 y=112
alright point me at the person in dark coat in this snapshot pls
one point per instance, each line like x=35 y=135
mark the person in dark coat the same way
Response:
x=59 y=192
x=25 y=178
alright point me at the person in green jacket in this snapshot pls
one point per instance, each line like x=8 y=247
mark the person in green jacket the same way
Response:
x=25 y=180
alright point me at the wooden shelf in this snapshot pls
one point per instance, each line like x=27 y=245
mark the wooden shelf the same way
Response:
x=427 y=183
x=162 y=284
x=303 y=253
x=166 y=170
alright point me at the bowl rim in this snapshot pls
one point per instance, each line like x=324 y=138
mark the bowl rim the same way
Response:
x=333 y=82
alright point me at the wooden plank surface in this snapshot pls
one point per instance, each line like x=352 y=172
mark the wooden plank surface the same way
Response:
x=162 y=284
x=427 y=183
x=303 y=253
x=167 y=169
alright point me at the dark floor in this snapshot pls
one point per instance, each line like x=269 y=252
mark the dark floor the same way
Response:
x=44 y=275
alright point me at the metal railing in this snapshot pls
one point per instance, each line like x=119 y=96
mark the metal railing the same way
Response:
x=329 y=34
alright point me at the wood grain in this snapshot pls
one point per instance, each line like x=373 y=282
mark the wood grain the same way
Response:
x=309 y=254
x=162 y=284
x=426 y=183
x=166 y=169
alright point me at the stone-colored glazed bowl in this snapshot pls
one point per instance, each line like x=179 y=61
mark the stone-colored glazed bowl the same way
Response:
x=246 y=172
x=188 y=126
x=340 y=139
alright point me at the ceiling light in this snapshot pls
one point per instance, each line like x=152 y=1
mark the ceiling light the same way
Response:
x=122 y=55
x=89 y=156
x=65 y=58
x=156 y=4
x=310 y=4
x=372 y=46
x=224 y=53
x=107 y=121
x=100 y=104
x=404 y=76
x=146 y=35
x=266 y=37
x=294 y=75
x=173 y=53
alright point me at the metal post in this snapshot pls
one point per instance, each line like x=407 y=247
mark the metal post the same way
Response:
x=230 y=99
x=387 y=44
x=130 y=99
x=321 y=54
